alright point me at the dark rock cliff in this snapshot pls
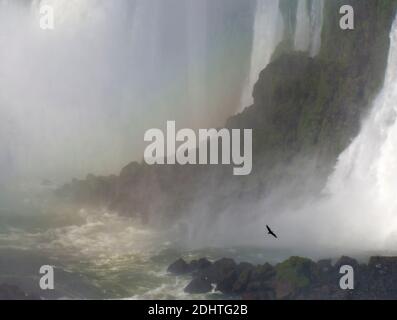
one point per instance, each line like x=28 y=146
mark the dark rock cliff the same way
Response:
x=305 y=112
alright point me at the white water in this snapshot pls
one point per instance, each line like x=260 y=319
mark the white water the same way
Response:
x=268 y=32
x=316 y=23
x=366 y=173
x=309 y=23
x=359 y=210
x=197 y=51
x=302 y=31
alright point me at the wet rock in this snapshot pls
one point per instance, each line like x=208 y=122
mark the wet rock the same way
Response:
x=225 y=285
x=200 y=265
x=199 y=285
x=293 y=275
x=219 y=270
x=258 y=295
x=324 y=265
x=344 y=260
x=179 y=267
x=261 y=282
x=94 y=190
x=383 y=265
x=380 y=278
x=244 y=272
x=326 y=271
x=294 y=278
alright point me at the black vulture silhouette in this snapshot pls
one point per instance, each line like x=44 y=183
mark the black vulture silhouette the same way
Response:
x=270 y=231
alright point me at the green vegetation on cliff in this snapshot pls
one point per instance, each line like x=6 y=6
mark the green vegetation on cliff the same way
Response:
x=296 y=271
x=315 y=105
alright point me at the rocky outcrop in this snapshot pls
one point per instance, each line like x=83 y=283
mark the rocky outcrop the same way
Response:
x=93 y=190
x=179 y=267
x=295 y=278
x=199 y=285
x=305 y=112
x=195 y=266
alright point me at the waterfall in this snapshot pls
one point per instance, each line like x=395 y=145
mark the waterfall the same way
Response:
x=302 y=31
x=197 y=55
x=362 y=203
x=357 y=210
x=109 y=71
x=268 y=32
x=62 y=86
x=309 y=21
x=316 y=23
x=370 y=162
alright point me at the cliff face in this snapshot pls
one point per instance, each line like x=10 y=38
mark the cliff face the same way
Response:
x=305 y=110
x=305 y=104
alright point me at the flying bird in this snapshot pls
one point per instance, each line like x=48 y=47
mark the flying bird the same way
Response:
x=270 y=231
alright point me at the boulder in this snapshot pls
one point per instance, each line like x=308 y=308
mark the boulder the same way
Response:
x=243 y=277
x=380 y=279
x=179 y=267
x=325 y=265
x=326 y=271
x=293 y=275
x=383 y=265
x=200 y=265
x=199 y=285
x=219 y=270
x=344 y=260
x=261 y=279
x=258 y=295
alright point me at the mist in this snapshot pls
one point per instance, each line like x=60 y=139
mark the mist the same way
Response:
x=78 y=99
x=353 y=212
x=357 y=209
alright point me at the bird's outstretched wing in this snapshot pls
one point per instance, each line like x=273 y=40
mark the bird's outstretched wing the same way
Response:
x=270 y=231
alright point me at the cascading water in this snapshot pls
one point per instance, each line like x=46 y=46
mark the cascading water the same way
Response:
x=268 y=32
x=109 y=71
x=358 y=210
x=302 y=29
x=197 y=55
x=77 y=100
x=366 y=172
x=316 y=23
x=309 y=21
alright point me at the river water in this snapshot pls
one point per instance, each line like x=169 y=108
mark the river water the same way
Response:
x=97 y=254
